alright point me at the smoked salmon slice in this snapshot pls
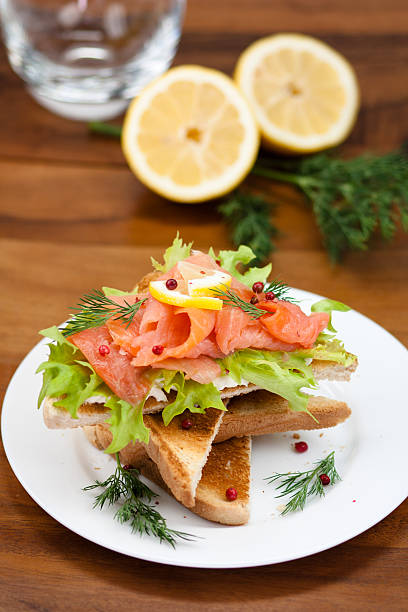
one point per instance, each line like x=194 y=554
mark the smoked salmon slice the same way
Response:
x=289 y=323
x=202 y=369
x=234 y=329
x=115 y=368
x=177 y=330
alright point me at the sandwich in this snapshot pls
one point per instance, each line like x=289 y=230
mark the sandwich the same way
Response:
x=178 y=373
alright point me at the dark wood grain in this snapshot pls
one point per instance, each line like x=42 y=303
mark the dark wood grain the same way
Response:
x=72 y=217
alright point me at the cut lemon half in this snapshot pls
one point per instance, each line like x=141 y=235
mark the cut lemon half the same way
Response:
x=160 y=292
x=303 y=93
x=190 y=135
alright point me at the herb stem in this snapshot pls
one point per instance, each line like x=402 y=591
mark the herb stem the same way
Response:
x=303 y=182
x=105 y=129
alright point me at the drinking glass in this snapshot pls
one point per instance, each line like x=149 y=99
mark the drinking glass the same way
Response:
x=85 y=59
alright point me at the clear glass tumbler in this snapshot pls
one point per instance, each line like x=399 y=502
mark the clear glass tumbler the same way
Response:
x=85 y=59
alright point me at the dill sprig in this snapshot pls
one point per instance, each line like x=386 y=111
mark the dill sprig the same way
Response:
x=280 y=289
x=95 y=309
x=230 y=298
x=248 y=218
x=302 y=485
x=143 y=518
x=352 y=198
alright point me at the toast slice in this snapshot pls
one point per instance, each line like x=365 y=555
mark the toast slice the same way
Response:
x=228 y=464
x=180 y=454
x=261 y=412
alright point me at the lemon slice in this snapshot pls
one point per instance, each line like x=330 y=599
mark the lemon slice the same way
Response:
x=201 y=281
x=303 y=93
x=190 y=135
x=159 y=291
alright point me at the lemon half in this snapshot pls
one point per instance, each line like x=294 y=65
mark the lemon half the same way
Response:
x=304 y=94
x=190 y=135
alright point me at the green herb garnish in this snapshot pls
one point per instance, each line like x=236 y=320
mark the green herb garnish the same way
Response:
x=248 y=217
x=302 y=485
x=95 y=309
x=230 y=298
x=352 y=198
x=144 y=518
x=280 y=289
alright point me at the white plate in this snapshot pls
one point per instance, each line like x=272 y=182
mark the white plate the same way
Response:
x=371 y=456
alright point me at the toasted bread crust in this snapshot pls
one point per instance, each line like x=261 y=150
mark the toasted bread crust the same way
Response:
x=91 y=432
x=330 y=370
x=59 y=418
x=261 y=412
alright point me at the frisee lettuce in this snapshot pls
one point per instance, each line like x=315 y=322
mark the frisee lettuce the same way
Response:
x=191 y=395
x=327 y=305
x=126 y=424
x=328 y=348
x=175 y=253
x=67 y=375
x=70 y=378
x=282 y=373
x=229 y=261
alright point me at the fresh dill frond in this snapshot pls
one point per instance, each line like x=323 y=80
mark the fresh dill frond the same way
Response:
x=351 y=199
x=248 y=218
x=144 y=518
x=95 y=309
x=280 y=290
x=302 y=485
x=230 y=298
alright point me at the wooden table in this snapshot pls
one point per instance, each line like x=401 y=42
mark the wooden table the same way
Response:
x=74 y=217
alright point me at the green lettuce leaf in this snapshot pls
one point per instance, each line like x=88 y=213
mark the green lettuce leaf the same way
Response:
x=67 y=375
x=243 y=256
x=175 y=253
x=191 y=395
x=328 y=348
x=328 y=305
x=126 y=424
x=281 y=373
